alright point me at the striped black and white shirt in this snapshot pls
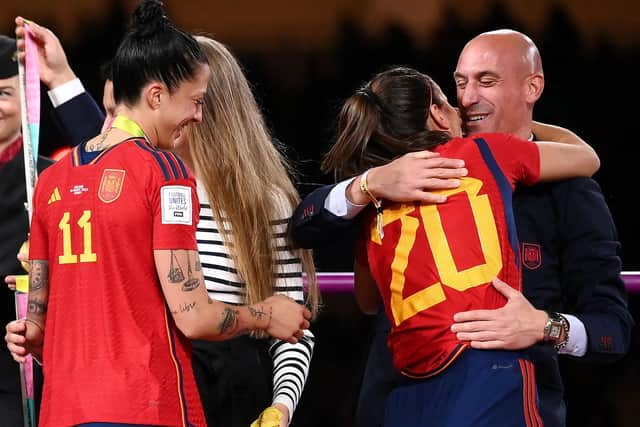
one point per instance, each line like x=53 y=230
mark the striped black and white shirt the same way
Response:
x=290 y=361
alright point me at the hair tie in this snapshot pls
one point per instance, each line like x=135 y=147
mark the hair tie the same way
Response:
x=370 y=95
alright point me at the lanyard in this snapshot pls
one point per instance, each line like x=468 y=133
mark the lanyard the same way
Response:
x=127 y=125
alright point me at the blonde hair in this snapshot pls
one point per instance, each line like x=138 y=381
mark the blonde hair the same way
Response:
x=245 y=177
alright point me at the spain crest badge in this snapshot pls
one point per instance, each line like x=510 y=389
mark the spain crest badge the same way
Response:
x=111 y=185
x=531 y=255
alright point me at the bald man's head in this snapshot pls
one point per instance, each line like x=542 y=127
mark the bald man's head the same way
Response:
x=499 y=78
x=511 y=46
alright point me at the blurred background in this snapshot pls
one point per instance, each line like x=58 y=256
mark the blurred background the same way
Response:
x=305 y=57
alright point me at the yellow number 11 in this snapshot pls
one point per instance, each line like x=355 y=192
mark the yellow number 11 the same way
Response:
x=67 y=256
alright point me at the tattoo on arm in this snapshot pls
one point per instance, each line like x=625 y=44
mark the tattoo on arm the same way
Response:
x=198 y=265
x=187 y=307
x=191 y=284
x=257 y=313
x=229 y=320
x=260 y=314
x=37 y=307
x=176 y=275
x=39 y=275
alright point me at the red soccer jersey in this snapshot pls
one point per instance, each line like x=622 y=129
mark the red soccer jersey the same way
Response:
x=437 y=260
x=112 y=352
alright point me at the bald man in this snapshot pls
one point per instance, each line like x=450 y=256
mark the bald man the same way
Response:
x=575 y=299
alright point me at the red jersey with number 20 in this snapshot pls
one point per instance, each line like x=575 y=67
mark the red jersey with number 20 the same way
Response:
x=112 y=352
x=437 y=260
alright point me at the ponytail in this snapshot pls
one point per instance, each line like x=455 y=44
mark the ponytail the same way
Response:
x=357 y=123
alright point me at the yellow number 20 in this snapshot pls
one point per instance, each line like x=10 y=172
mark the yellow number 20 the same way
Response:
x=432 y=294
x=84 y=223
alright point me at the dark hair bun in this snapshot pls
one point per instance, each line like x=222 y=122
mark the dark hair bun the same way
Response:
x=148 y=19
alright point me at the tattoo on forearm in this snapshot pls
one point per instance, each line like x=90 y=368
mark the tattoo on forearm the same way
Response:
x=176 y=275
x=229 y=320
x=198 y=265
x=37 y=307
x=39 y=275
x=261 y=314
x=257 y=313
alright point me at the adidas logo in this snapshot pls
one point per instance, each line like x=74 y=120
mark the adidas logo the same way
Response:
x=55 y=196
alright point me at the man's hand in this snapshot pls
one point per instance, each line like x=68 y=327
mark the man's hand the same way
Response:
x=515 y=326
x=23 y=257
x=11 y=282
x=409 y=178
x=286 y=320
x=54 y=67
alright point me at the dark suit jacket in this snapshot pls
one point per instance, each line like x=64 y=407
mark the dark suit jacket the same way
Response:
x=79 y=118
x=571 y=264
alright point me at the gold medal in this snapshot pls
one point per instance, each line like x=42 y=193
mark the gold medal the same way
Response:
x=24 y=249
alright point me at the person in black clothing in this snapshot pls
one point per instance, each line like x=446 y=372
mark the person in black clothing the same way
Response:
x=574 y=300
x=13 y=218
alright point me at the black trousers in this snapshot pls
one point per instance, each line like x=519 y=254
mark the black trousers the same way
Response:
x=234 y=379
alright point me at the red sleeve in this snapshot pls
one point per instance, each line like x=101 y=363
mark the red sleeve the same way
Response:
x=518 y=159
x=38 y=243
x=176 y=212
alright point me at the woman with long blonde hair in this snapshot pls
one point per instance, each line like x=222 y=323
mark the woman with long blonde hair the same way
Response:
x=246 y=197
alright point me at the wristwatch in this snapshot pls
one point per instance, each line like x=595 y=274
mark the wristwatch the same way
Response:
x=554 y=328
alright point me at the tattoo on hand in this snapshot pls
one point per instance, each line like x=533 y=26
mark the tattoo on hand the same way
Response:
x=39 y=275
x=229 y=320
x=37 y=306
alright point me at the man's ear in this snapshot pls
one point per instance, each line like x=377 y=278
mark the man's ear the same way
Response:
x=153 y=93
x=534 y=87
x=437 y=119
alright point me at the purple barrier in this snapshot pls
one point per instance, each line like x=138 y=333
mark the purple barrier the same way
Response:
x=343 y=282
x=632 y=281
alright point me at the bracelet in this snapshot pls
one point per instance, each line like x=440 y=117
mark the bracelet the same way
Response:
x=377 y=203
x=365 y=189
x=26 y=319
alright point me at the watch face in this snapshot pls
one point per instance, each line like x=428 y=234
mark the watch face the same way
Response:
x=555 y=331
